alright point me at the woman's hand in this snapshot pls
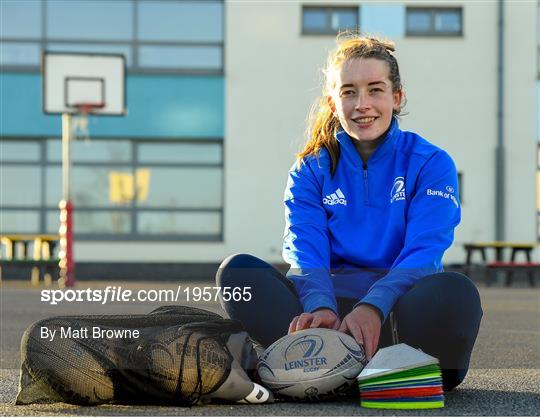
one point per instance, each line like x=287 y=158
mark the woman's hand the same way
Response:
x=322 y=318
x=364 y=324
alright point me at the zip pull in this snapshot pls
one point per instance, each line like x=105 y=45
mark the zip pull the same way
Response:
x=366 y=184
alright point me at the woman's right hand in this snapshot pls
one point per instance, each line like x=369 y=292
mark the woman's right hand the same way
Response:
x=322 y=318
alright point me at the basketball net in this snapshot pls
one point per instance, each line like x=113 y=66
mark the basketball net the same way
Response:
x=80 y=123
x=79 y=128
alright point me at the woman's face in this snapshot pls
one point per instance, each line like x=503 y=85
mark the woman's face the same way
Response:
x=362 y=98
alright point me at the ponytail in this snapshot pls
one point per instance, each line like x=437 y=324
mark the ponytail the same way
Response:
x=323 y=125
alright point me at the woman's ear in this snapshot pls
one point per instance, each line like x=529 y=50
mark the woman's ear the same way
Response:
x=398 y=99
x=331 y=103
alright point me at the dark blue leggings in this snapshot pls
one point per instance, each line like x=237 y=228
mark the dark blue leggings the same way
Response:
x=441 y=314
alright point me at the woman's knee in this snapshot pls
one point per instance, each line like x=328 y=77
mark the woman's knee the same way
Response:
x=459 y=283
x=240 y=269
x=239 y=261
x=447 y=302
x=230 y=264
x=451 y=289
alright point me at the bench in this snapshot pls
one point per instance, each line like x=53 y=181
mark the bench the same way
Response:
x=499 y=263
x=16 y=253
x=510 y=268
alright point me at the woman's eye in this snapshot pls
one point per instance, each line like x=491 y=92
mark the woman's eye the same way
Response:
x=375 y=90
x=347 y=92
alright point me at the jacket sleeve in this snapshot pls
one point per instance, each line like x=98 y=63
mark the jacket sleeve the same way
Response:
x=306 y=246
x=433 y=213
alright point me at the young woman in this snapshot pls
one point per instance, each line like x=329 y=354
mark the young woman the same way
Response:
x=370 y=210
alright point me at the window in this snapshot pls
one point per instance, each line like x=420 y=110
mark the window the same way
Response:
x=180 y=57
x=19 y=165
x=155 y=36
x=110 y=20
x=169 y=187
x=21 y=19
x=424 y=21
x=179 y=223
x=209 y=153
x=20 y=222
x=125 y=50
x=180 y=21
x=20 y=53
x=121 y=189
x=11 y=179
x=328 y=20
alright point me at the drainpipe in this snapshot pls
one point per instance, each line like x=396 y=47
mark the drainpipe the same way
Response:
x=500 y=166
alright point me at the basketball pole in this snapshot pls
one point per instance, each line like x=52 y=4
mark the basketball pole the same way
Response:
x=66 y=263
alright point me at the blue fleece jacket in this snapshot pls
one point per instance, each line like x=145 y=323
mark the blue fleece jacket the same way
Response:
x=372 y=230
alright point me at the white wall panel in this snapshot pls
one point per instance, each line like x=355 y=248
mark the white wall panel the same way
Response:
x=520 y=107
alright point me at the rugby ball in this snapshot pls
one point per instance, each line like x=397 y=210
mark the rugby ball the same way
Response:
x=311 y=365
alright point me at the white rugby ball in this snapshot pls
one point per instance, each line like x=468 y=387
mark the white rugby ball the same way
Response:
x=312 y=364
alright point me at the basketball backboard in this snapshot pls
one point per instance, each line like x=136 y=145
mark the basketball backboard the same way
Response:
x=94 y=82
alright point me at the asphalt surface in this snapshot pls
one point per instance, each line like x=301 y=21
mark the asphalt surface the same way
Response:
x=504 y=378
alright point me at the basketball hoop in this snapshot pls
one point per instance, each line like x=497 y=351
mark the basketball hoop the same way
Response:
x=80 y=127
x=77 y=85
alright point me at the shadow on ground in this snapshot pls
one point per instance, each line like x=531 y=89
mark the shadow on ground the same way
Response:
x=475 y=402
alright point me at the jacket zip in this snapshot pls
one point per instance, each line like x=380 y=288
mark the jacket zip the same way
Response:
x=366 y=187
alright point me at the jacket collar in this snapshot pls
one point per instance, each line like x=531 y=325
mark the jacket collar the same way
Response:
x=384 y=149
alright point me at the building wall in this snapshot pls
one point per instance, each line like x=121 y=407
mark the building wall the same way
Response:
x=175 y=100
x=452 y=101
x=271 y=81
x=451 y=86
x=263 y=129
x=272 y=76
x=521 y=114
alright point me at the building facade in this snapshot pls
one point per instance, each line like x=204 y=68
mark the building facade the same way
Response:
x=217 y=96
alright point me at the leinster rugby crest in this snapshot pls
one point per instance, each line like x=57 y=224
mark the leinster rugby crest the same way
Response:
x=398 y=190
x=303 y=353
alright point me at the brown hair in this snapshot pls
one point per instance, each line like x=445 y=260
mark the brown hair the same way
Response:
x=322 y=123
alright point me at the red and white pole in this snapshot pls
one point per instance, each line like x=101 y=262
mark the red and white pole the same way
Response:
x=67 y=263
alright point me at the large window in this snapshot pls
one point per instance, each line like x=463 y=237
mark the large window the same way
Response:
x=121 y=189
x=155 y=35
x=434 y=21
x=320 y=20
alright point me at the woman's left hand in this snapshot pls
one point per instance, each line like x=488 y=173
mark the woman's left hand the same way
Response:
x=364 y=324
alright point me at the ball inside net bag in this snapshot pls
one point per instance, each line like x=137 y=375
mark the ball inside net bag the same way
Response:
x=311 y=365
x=182 y=356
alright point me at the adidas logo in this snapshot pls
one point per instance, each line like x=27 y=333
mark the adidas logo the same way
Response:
x=336 y=198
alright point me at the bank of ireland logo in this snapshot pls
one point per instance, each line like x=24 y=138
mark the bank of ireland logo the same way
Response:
x=449 y=194
x=398 y=190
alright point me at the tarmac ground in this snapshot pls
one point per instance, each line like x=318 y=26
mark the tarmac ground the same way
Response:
x=503 y=379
